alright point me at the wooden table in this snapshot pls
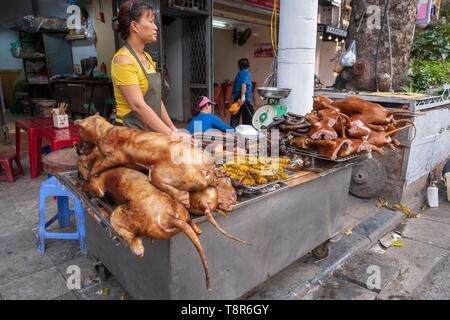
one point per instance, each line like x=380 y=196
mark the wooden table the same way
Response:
x=58 y=138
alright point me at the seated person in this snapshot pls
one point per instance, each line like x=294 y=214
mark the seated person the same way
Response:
x=204 y=120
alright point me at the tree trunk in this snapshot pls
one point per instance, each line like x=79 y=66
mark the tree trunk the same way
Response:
x=365 y=30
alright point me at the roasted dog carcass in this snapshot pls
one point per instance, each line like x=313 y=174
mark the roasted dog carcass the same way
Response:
x=227 y=197
x=220 y=194
x=352 y=125
x=86 y=161
x=189 y=168
x=145 y=211
x=371 y=113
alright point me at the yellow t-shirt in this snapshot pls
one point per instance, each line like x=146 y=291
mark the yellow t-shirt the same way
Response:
x=128 y=74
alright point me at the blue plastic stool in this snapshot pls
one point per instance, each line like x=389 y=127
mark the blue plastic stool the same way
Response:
x=49 y=188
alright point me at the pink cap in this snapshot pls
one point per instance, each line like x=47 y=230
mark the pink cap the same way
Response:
x=203 y=101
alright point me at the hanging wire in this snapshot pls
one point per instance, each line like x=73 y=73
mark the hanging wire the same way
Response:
x=390 y=49
x=273 y=25
x=271 y=80
x=386 y=4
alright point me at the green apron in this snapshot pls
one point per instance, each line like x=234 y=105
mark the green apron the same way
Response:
x=152 y=97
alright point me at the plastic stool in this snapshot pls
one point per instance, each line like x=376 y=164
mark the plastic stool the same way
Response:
x=52 y=187
x=6 y=163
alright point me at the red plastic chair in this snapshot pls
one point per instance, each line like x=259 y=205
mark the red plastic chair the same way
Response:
x=6 y=162
x=227 y=89
x=218 y=98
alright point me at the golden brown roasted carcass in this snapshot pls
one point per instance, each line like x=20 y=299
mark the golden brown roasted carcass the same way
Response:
x=372 y=114
x=382 y=138
x=188 y=167
x=145 y=211
x=227 y=195
x=206 y=201
x=86 y=161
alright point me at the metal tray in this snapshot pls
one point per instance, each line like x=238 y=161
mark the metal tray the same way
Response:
x=268 y=185
x=274 y=93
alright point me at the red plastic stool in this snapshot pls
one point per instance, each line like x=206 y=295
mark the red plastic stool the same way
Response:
x=6 y=162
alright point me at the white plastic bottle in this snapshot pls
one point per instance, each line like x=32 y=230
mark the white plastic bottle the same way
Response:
x=433 y=196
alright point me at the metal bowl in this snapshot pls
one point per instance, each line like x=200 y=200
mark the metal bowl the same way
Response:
x=274 y=93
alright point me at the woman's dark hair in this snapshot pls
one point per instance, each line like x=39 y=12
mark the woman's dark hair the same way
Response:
x=243 y=64
x=131 y=10
x=84 y=13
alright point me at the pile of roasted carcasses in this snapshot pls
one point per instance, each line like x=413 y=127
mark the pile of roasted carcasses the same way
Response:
x=155 y=180
x=345 y=127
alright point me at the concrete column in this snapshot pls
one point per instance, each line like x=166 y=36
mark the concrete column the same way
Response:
x=296 y=52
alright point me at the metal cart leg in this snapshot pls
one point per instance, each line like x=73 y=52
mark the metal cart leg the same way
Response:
x=102 y=270
x=321 y=251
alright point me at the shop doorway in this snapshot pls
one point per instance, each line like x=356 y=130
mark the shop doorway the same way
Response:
x=240 y=34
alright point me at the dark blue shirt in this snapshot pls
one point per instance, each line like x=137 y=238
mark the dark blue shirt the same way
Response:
x=208 y=121
x=243 y=76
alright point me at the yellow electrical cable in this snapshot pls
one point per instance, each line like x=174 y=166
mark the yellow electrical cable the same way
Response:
x=273 y=25
x=276 y=22
x=271 y=30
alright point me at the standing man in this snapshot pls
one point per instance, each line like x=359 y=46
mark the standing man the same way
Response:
x=242 y=92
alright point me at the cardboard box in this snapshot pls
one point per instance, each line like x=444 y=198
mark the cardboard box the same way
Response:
x=60 y=120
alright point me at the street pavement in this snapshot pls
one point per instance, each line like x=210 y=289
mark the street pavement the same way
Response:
x=416 y=266
x=27 y=274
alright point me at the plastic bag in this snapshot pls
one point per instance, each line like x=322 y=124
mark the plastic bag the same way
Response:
x=33 y=24
x=234 y=108
x=348 y=58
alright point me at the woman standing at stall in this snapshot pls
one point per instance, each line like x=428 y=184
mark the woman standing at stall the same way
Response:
x=137 y=85
x=242 y=92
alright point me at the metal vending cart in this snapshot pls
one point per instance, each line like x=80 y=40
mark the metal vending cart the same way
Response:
x=283 y=223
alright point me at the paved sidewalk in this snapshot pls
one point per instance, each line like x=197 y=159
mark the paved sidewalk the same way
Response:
x=27 y=274
x=420 y=269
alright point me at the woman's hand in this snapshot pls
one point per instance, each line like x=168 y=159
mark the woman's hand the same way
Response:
x=185 y=136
